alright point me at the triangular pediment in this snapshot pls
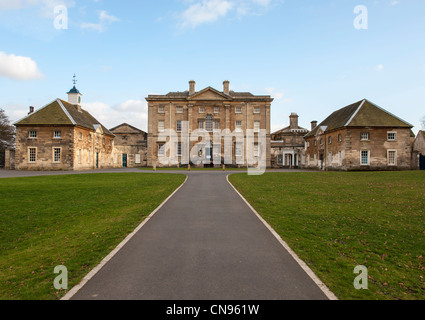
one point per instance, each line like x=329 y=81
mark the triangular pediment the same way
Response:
x=210 y=94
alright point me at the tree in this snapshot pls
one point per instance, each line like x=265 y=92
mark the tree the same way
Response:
x=7 y=132
x=423 y=123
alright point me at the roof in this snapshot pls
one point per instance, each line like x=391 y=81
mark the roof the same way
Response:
x=360 y=114
x=74 y=90
x=123 y=125
x=60 y=112
x=232 y=96
x=288 y=129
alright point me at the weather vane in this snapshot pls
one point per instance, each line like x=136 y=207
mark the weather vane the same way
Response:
x=75 y=81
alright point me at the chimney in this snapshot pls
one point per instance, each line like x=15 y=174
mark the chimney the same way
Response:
x=313 y=125
x=31 y=110
x=226 y=87
x=293 y=119
x=192 y=87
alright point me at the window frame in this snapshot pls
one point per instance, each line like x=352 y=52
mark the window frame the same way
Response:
x=391 y=133
x=161 y=126
x=35 y=134
x=362 y=138
x=161 y=150
x=54 y=155
x=56 y=136
x=238 y=128
x=29 y=155
x=257 y=126
x=362 y=158
x=395 y=158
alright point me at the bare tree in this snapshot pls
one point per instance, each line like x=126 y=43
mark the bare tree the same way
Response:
x=7 y=132
x=423 y=123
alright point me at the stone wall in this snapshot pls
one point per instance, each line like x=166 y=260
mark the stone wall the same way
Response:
x=341 y=150
x=44 y=143
x=227 y=118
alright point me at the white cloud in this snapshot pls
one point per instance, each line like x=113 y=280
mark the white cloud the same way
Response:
x=379 y=68
x=206 y=11
x=46 y=6
x=104 y=20
x=134 y=112
x=18 y=67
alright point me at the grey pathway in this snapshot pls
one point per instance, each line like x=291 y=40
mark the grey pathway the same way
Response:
x=203 y=244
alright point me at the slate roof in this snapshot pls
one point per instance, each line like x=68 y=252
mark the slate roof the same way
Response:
x=117 y=128
x=74 y=90
x=60 y=112
x=360 y=114
x=235 y=96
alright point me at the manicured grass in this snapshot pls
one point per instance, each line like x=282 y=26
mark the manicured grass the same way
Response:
x=71 y=220
x=336 y=221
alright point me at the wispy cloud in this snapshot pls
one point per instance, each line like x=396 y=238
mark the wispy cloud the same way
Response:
x=133 y=112
x=105 y=19
x=46 y=7
x=206 y=11
x=18 y=67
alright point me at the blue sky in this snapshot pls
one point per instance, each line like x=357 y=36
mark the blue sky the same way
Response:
x=307 y=54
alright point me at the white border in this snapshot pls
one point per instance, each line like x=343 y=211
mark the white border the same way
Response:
x=303 y=265
x=93 y=272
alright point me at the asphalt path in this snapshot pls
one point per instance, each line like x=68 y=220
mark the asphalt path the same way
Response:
x=204 y=243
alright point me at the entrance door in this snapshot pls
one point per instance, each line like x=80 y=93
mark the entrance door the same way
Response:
x=97 y=160
x=124 y=160
x=422 y=162
x=208 y=159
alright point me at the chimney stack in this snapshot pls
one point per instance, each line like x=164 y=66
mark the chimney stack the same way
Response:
x=313 y=125
x=293 y=119
x=226 y=87
x=31 y=110
x=192 y=85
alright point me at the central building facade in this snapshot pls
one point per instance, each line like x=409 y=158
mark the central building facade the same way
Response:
x=214 y=127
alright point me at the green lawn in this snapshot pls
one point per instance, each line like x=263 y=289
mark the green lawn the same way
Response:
x=336 y=221
x=71 y=220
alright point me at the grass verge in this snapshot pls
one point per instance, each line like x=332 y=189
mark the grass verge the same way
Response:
x=70 y=220
x=336 y=221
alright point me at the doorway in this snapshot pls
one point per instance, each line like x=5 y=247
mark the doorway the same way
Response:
x=422 y=162
x=124 y=160
x=97 y=160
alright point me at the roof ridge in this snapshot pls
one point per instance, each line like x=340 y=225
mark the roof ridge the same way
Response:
x=66 y=111
x=355 y=113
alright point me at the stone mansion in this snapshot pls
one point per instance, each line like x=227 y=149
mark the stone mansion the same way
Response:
x=215 y=128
